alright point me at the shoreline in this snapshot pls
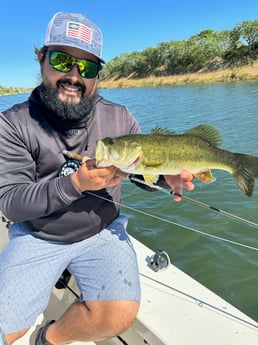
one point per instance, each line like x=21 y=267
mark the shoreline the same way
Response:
x=241 y=73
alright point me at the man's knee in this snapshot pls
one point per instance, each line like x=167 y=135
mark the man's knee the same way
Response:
x=123 y=316
x=114 y=317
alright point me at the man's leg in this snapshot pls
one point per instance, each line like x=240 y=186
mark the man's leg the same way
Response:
x=106 y=272
x=94 y=321
x=29 y=268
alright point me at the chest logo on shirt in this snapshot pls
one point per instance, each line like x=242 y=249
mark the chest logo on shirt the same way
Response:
x=72 y=132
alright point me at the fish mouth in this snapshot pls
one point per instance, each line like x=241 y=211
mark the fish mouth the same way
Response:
x=124 y=159
x=101 y=154
x=99 y=150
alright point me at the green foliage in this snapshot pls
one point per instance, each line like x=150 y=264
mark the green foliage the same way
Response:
x=12 y=90
x=248 y=32
x=207 y=50
x=200 y=52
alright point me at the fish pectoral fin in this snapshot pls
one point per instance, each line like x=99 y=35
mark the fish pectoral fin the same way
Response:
x=205 y=176
x=150 y=179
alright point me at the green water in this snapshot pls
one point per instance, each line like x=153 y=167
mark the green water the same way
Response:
x=228 y=268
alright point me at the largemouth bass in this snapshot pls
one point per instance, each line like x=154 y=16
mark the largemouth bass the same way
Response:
x=164 y=152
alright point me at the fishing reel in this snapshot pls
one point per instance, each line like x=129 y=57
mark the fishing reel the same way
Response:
x=69 y=167
x=159 y=261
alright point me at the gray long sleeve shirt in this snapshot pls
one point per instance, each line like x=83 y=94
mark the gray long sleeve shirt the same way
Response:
x=31 y=155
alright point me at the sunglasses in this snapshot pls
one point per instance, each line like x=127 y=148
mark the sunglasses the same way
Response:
x=63 y=62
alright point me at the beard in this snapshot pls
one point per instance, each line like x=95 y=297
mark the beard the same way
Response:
x=65 y=110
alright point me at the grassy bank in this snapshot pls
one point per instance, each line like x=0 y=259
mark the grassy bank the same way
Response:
x=247 y=72
x=5 y=91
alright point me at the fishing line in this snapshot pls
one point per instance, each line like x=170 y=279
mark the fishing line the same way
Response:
x=80 y=158
x=202 y=303
x=174 y=223
x=196 y=202
x=199 y=302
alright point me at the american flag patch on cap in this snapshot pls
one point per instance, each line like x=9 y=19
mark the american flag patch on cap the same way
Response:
x=80 y=31
x=74 y=30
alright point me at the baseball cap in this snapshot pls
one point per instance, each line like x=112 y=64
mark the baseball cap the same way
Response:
x=74 y=30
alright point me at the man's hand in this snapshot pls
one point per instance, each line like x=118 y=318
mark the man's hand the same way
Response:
x=88 y=177
x=178 y=182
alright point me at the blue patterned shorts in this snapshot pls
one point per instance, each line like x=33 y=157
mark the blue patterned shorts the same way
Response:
x=104 y=266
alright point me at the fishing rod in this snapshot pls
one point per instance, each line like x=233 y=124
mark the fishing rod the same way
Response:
x=81 y=159
x=196 y=202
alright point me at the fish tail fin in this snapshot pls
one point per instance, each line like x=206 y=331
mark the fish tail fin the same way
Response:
x=246 y=172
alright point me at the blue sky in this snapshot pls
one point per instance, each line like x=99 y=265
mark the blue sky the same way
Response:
x=126 y=25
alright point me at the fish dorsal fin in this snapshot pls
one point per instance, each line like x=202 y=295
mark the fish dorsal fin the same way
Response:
x=162 y=131
x=206 y=132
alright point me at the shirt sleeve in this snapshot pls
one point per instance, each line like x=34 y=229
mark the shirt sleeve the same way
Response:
x=21 y=196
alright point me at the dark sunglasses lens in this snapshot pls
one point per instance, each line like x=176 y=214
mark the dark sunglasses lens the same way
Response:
x=60 y=61
x=64 y=63
x=87 y=68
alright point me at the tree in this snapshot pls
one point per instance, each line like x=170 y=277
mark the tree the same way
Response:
x=248 y=32
x=206 y=49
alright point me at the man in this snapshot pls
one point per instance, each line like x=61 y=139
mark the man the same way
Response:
x=65 y=214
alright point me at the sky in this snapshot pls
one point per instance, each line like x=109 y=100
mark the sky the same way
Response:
x=127 y=26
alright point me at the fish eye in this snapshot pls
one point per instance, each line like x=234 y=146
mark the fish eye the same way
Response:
x=111 y=141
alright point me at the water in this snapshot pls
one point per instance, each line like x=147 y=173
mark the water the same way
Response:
x=226 y=268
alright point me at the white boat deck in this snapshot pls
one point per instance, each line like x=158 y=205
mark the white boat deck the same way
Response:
x=175 y=310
